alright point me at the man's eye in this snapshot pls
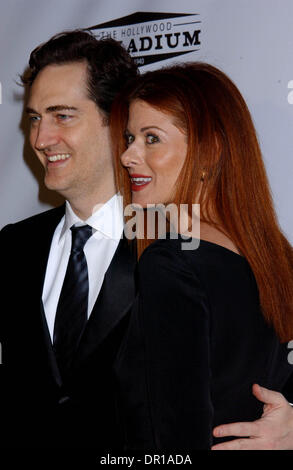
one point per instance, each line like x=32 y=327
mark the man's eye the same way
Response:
x=34 y=119
x=152 y=139
x=129 y=139
x=63 y=117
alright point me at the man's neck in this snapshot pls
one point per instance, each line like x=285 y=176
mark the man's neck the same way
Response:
x=85 y=208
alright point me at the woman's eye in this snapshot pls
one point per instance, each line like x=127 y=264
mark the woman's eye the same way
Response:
x=129 y=139
x=152 y=139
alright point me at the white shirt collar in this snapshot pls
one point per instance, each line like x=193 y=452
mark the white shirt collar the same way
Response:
x=106 y=219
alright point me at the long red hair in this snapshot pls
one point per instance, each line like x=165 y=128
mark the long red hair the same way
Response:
x=235 y=195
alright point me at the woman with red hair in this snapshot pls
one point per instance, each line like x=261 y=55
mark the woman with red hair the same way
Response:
x=208 y=322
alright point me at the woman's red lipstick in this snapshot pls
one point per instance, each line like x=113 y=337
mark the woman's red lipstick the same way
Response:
x=139 y=182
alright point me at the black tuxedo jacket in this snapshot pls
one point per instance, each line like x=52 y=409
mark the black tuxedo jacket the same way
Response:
x=36 y=408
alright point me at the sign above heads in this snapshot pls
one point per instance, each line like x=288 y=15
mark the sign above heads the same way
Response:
x=153 y=37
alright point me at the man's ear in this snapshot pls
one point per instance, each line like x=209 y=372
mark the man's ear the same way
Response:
x=105 y=120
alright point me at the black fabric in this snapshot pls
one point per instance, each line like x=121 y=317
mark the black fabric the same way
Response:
x=196 y=343
x=37 y=408
x=71 y=314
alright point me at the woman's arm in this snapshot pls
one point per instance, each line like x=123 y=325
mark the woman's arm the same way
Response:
x=174 y=321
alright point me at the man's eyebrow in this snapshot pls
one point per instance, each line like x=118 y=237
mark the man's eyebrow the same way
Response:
x=52 y=109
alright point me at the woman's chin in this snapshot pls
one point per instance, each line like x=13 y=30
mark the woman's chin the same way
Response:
x=144 y=204
x=139 y=201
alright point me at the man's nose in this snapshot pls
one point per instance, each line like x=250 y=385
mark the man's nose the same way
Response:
x=46 y=136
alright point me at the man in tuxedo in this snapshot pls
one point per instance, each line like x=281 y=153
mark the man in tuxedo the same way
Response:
x=68 y=281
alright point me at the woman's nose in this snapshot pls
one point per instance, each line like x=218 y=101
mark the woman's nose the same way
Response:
x=131 y=158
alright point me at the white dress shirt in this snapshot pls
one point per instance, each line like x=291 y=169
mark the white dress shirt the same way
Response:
x=107 y=224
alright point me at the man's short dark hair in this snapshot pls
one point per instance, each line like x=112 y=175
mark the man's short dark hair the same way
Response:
x=109 y=66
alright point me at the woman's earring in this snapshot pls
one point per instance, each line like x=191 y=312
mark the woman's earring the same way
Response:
x=202 y=176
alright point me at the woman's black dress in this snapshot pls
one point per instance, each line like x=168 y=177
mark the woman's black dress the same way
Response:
x=196 y=343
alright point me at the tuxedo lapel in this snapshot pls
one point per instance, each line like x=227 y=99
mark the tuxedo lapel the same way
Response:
x=113 y=303
x=44 y=234
x=46 y=230
x=51 y=358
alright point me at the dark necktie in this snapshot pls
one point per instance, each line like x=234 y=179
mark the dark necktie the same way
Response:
x=71 y=314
